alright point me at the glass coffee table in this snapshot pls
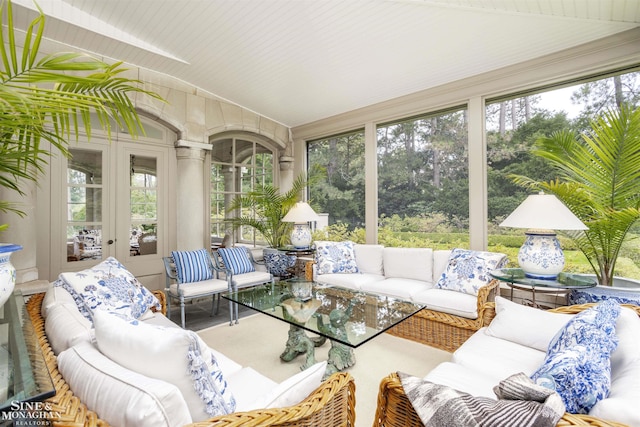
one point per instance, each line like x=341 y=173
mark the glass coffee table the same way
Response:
x=348 y=318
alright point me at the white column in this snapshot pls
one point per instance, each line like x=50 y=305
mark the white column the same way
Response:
x=478 y=211
x=371 y=182
x=192 y=232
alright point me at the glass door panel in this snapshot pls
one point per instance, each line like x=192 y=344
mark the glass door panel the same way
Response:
x=84 y=226
x=143 y=199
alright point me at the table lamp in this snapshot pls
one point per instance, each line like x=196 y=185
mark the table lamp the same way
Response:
x=300 y=214
x=541 y=256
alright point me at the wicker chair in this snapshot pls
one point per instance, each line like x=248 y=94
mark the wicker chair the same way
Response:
x=395 y=410
x=331 y=404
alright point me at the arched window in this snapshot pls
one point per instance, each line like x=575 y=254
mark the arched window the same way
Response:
x=240 y=163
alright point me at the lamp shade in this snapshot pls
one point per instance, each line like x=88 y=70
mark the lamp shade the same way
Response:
x=301 y=212
x=545 y=212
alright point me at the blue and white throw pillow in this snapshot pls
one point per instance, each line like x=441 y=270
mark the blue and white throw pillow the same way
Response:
x=237 y=260
x=467 y=271
x=577 y=364
x=335 y=257
x=108 y=286
x=192 y=266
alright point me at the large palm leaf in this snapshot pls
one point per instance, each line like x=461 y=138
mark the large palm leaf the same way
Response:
x=50 y=98
x=263 y=210
x=599 y=181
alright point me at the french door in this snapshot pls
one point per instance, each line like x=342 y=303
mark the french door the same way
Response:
x=114 y=203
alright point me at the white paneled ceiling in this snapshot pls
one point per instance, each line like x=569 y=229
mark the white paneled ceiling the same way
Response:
x=297 y=61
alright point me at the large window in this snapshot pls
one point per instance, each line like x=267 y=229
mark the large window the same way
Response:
x=513 y=125
x=238 y=165
x=336 y=169
x=423 y=180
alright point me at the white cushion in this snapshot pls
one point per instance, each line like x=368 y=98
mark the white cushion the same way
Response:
x=169 y=354
x=249 y=388
x=408 y=263
x=456 y=303
x=255 y=277
x=497 y=358
x=395 y=287
x=198 y=288
x=369 y=258
x=120 y=396
x=624 y=396
x=352 y=281
x=296 y=388
x=628 y=350
x=65 y=327
x=464 y=379
x=53 y=296
x=440 y=262
x=512 y=320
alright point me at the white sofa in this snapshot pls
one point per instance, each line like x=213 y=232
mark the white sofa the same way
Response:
x=449 y=317
x=517 y=340
x=142 y=372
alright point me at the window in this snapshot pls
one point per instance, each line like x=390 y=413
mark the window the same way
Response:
x=513 y=125
x=144 y=205
x=238 y=165
x=423 y=180
x=336 y=171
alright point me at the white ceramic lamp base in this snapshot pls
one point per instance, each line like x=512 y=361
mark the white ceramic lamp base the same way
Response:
x=301 y=236
x=541 y=256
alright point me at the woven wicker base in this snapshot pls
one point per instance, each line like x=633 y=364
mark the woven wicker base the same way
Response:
x=331 y=404
x=447 y=331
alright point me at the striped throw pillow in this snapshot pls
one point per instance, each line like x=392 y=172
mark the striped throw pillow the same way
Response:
x=192 y=266
x=237 y=260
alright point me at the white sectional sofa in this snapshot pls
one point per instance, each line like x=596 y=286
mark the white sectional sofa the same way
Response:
x=451 y=313
x=517 y=341
x=145 y=370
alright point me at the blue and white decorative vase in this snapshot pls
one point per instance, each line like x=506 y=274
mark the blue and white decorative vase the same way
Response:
x=541 y=256
x=278 y=262
x=7 y=271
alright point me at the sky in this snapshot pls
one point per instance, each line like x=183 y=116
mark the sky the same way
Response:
x=560 y=100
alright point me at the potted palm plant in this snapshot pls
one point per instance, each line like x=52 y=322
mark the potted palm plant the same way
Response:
x=598 y=179
x=46 y=99
x=263 y=210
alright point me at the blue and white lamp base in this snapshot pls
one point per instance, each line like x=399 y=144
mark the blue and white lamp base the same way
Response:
x=301 y=236
x=541 y=256
x=7 y=271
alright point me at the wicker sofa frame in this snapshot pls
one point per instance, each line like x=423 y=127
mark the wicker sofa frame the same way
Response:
x=395 y=410
x=437 y=329
x=331 y=404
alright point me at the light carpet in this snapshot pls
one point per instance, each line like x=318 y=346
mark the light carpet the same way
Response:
x=258 y=340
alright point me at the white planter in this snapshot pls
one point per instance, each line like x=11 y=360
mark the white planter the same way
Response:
x=7 y=271
x=624 y=290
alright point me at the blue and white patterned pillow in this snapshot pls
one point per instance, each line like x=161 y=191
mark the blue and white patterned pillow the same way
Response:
x=192 y=266
x=577 y=364
x=467 y=271
x=335 y=257
x=108 y=286
x=581 y=375
x=237 y=260
x=594 y=327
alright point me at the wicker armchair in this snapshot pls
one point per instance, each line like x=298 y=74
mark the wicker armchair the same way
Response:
x=331 y=404
x=395 y=410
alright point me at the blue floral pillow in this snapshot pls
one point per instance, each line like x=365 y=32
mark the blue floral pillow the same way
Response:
x=581 y=375
x=467 y=271
x=335 y=257
x=594 y=327
x=577 y=364
x=111 y=287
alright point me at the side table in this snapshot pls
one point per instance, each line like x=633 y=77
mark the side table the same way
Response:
x=302 y=255
x=564 y=283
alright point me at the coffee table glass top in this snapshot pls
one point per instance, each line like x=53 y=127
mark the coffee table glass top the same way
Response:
x=343 y=315
x=563 y=281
